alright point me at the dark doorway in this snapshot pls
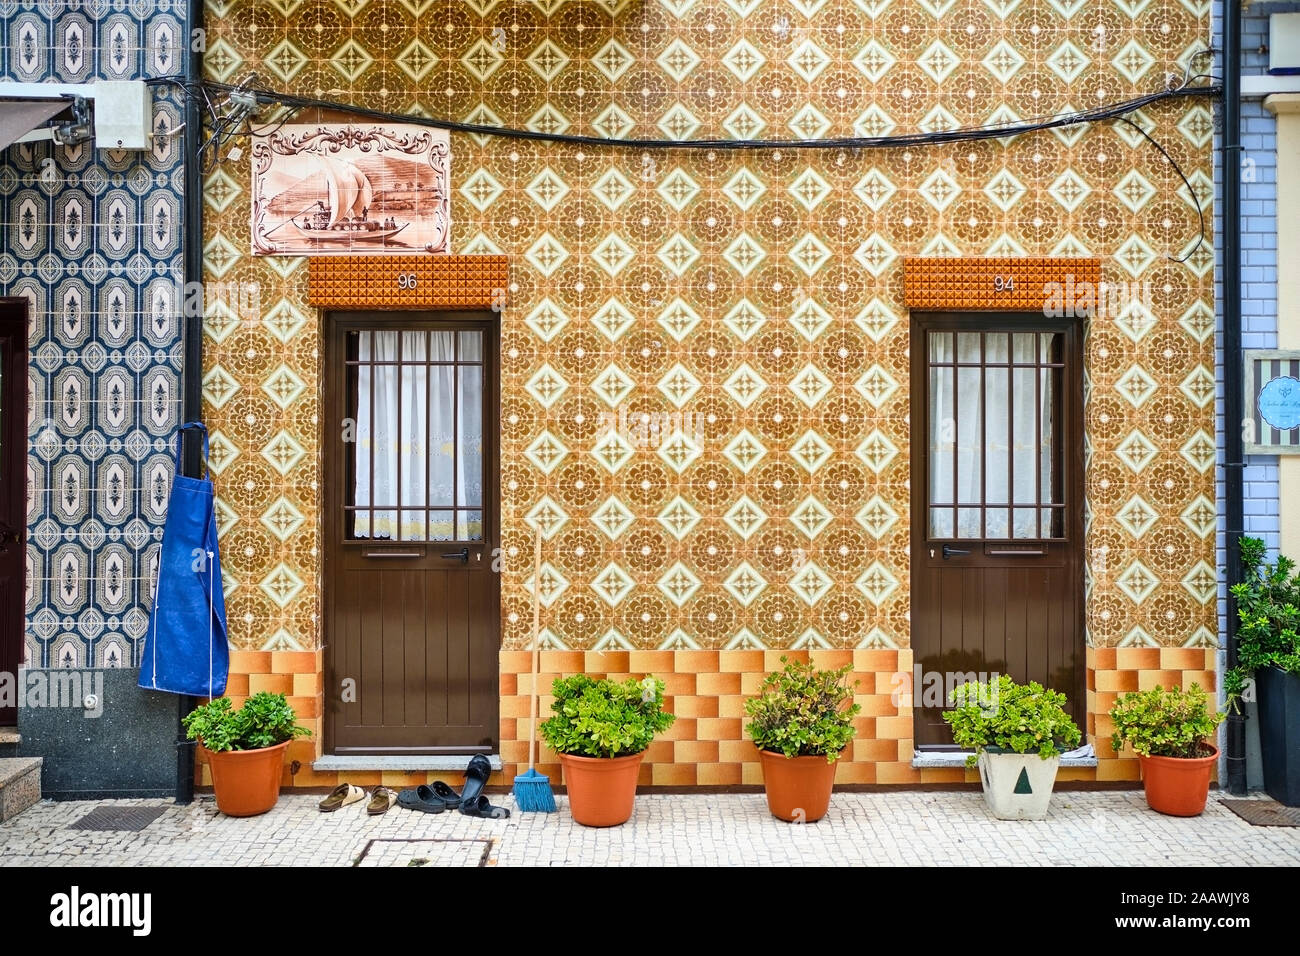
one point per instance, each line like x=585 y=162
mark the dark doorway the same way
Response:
x=997 y=507
x=412 y=529
x=13 y=490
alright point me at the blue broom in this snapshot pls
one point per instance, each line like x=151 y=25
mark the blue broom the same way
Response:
x=532 y=789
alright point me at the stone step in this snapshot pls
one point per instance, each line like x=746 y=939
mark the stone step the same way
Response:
x=20 y=785
x=10 y=738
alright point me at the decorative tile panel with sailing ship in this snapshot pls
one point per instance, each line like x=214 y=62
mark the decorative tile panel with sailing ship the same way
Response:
x=353 y=190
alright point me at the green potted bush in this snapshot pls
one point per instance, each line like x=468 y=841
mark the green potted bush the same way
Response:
x=1018 y=733
x=601 y=728
x=1171 y=732
x=801 y=722
x=1268 y=651
x=245 y=749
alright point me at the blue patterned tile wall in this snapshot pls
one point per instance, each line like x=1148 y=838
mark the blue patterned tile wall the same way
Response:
x=92 y=239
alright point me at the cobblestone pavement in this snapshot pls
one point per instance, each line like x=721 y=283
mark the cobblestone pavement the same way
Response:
x=901 y=828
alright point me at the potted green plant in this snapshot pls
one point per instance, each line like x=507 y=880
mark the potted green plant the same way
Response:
x=1170 y=730
x=1268 y=652
x=601 y=728
x=801 y=723
x=1017 y=733
x=245 y=749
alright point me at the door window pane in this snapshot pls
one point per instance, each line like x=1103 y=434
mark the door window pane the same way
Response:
x=442 y=526
x=471 y=346
x=994 y=449
x=1024 y=435
x=442 y=437
x=377 y=436
x=417 y=461
x=942 y=436
x=412 y=388
x=1024 y=523
x=970 y=440
x=469 y=442
x=997 y=449
x=470 y=527
x=1024 y=348
x=1048 y=467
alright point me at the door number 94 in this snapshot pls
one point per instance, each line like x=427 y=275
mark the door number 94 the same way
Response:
x=1004 y=283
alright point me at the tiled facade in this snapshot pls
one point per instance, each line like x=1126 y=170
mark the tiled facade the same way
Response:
x=92 y=239
x=762 y=290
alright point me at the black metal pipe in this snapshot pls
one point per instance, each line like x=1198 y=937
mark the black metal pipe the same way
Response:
x=192 y=368
x=1233 y=411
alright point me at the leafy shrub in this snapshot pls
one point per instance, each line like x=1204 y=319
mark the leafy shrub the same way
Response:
x=1165 y=723
x=1268 y=608
x=265 y=720
x=604 y=718
x=803 y=712
x=1004 y=715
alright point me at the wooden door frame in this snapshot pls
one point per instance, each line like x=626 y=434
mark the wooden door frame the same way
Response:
x=13 y=435
x=335 y=323
x=924 y=321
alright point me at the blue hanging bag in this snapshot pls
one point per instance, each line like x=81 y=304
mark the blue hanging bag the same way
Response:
x=186 y=649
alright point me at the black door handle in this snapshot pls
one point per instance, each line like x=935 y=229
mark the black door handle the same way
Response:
x=462 y=555
x=949 y=551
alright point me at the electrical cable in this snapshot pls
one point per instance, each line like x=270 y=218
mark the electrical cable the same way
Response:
x=957 y=134
x=227 y=122
x=1200 y=239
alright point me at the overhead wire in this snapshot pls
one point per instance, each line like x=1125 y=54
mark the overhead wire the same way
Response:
x=228 y=122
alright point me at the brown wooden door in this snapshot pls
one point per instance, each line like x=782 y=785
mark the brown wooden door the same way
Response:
x=997 y=507
x=412 y=530
x=13 y=489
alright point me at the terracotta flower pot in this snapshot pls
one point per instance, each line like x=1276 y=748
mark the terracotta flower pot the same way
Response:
x=1178 y=786
x=601 y=789
x=798 y=788
x=247 y=782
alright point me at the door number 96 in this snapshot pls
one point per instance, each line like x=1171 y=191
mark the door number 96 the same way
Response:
x=407 y=280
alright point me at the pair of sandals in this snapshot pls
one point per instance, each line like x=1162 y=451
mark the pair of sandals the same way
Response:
x=345 y=794
x=471 y=801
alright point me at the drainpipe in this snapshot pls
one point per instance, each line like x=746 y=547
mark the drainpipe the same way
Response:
x=1233 y=411
x=192 y=368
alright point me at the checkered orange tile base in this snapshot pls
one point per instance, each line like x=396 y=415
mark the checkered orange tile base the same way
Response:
x=707 y=691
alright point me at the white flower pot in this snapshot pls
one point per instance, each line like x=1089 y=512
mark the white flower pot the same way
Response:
x=1017 y=786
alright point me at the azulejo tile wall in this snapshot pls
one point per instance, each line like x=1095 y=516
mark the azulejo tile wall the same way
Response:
x=92 y=241
x=750 y=300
